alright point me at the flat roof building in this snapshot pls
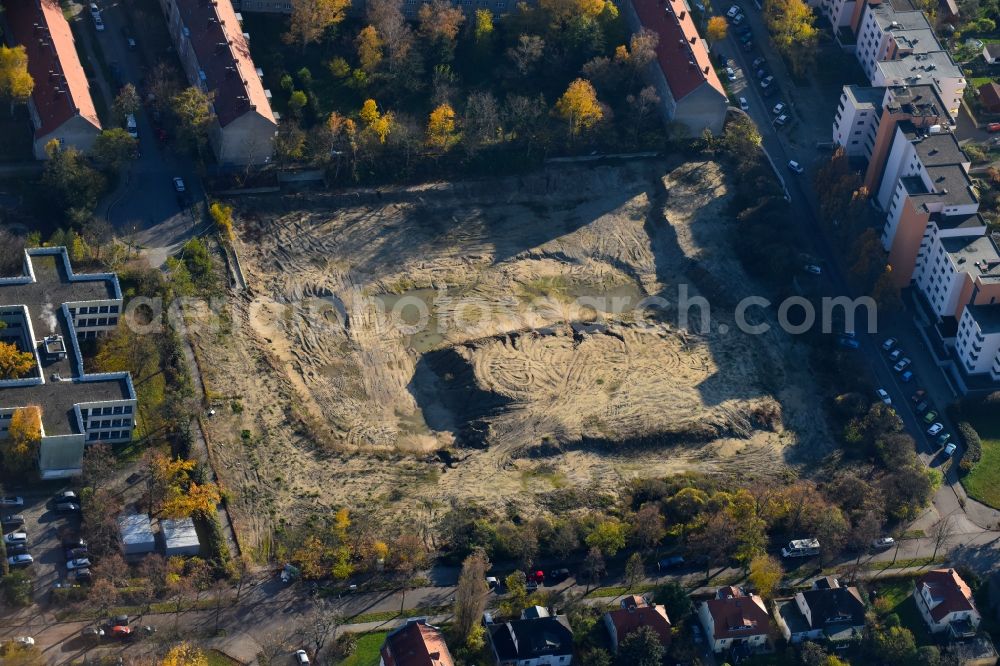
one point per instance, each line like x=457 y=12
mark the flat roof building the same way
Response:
x=46 y=310
x=179 y=536
x=137 y=534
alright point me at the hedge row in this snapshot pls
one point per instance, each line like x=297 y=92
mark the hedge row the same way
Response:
x=973 y=446
x=215 y=546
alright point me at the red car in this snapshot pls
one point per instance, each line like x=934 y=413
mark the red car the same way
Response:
x=121 y=631
x=993 y=127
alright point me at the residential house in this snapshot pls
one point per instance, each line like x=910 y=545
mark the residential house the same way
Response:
x=216 y=58
x=690 y=91
x=636 y=612
x=991 y=52
x=826 y=611
x=534 y=640
x=46 y=310
x=946 y=604
x=989 y=96
x=60 y=106
x=733 y=619
x=415 y=644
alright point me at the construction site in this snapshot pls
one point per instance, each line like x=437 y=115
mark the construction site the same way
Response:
x=489 y=341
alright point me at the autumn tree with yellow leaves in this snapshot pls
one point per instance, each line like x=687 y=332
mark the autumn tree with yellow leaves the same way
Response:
x=378 y=123
x=717 y=29
x=793 y=33
x=16 y=83
x=579 y=107
x=370 y=49
x=14 y=363
x=441 y=133
x=184 y=654
x=172 y=491
x=24 y=435
x=312 y=18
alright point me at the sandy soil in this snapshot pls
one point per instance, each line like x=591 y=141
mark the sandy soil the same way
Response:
x=463 y=340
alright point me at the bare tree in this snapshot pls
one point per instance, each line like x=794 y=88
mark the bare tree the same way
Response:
x=942 y=534
x=98 y=465
x=593 y=567
x=12 y=256
x=471 y=592
x=634 y=570
x=320 y=626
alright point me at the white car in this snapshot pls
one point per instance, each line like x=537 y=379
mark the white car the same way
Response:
x=739 y=18
x=730 y=74
x=902 y=365
x=766 y=81
x=883 y=543
x=781 y=120
x=778 y=109
x=744 y=104
x=795 y=166
x=98 y=23
x=25 y=640
x=20 y=560
x=733 y=11
x=179 y=184
x=78 y=563
x=935 y=429
x=11 y=500
x=950 y=449
x=888 y=344
x=301 y=657
x=883 y=396
x=15 y=537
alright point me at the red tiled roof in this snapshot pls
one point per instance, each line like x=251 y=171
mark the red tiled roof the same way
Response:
x=61 y=89
x=636 y=613
x=224 y=57
x=989 y=95
x=416 y=644
x=739 y=616
x=948 y=589
x=682 y=53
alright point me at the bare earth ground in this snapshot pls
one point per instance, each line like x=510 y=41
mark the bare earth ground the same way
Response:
x=525 y=373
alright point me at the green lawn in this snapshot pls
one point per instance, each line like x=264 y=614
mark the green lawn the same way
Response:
x=983 y=482
x=367 y=651
x=898 y=596
x=216 y=658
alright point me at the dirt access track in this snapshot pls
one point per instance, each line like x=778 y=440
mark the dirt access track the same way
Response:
x=481 y=340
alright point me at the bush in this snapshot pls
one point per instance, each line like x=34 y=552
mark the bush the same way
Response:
x=973 y=446
x=17 y=589
x=215 y=545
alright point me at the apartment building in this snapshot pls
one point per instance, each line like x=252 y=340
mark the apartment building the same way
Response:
x=60 y=106
x=690 y=91
x=936 y=67
x=410 y=7
x=216 y=58
x=977 y=341
x=838 y=12
x=877 y=31
x=41 y=310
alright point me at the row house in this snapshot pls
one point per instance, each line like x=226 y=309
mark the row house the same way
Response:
x=46 y=311
x=61 y=106
x=215 y=54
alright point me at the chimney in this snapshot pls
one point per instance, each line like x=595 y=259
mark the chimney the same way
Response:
x=705 y=69
x=683 y=14
x=694 y=39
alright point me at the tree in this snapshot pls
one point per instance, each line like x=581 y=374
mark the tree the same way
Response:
x=126 y=102
x=16 y=83
x=527 y=53
x=12 y=260
x=648 y=527
x=379 y=124
x=765 y=574
x=635 y=569
x=608 y=536
x=369 y=46
x=71 y=186
x=114 y=149
x=717 y=29
x=896 y=645
x=481 y=122
x=471 y=593
x=222 y=215
x=441 y=128
x=312 y=18
x=593 y=566
x=193 y=109
x=579 y=107
x=15 y=654
x=641 y=647
x=184 y=654
x=929 y=655
x=484 y=29
x=942 y=533
x=24 y=435
x=172 y=491
x=14 y=363
x=675 y=601
x=102 y=595
x=440 y=22
x=793 y=34
x=714 y=540
x=297 y=101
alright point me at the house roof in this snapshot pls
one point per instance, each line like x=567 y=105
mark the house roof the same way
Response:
x=948 y=592
x=993 y=48
x=681 y=52
x=736 y=615
x=136 y=529
x=835 y=605
x=179 y=533
x=989 y=93
x=531 y=639
x=61 y=90
x=416 y=644
x=224 y=58
x=636 y=613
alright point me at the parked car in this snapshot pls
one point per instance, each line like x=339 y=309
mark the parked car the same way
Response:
x=930 y=416
x=11 y=500
x=65 y=496
x=883 y=543
x=301 y=657
x=738 y=19
x=895 y=354
x=27 y=641
x=179 y=184
x=72 y=542
x=119 y=620
x=778 y=109
x=889 y=344
x=902 y=365
x=848 y=343
x=121 y=632
x=83 y=576
x=906 y=376
x=943 y=438
x=733 y=11
x=795 y=166
x=15 y=537
x=92 y=632
x=493 y=583
x=770 y=91
x=759 y=62
x=745 y=36
x=17 y=548
x=884 y=396
x=993 y=127
x=12 y=520
x=781 y=120
x=78 y=563
x=76 y=553
x=558 y=575
x=748 y=46
x=813 y=268
x=744 y=105
x=98 y=23
x=935 y=429
x=67 y=507
x=950 y=449
x=766 y=81
x=668 y=563
x=730 y=74
x=20 y=560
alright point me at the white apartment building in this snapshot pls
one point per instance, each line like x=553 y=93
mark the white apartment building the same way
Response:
x=944 y=263
x=838 y=12
x=879 y=23
x=41 y=309
x=934 y=67
x=977 y=343
x=913 y=151
x=857 y=119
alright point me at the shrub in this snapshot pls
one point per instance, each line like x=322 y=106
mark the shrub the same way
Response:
x=973 y=446
x=215 y=544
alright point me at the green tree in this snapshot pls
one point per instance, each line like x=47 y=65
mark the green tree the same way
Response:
x=72 y=187
x=608 y=536
x=675 y=600
x=641 y=647
x=193 y=110
x=115 y=149
x=765 y=574
x=126 y=102
x=896 y=645
x=635 y=570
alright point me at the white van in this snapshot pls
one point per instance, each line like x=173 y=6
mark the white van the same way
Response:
x=131 y=126
x=801 y=548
